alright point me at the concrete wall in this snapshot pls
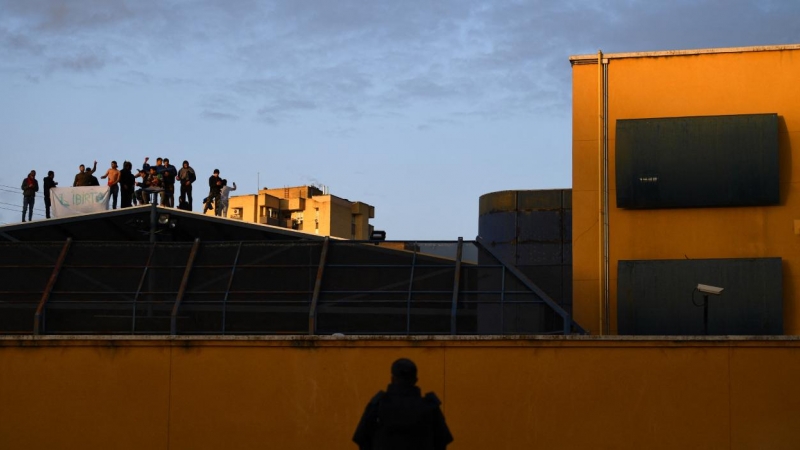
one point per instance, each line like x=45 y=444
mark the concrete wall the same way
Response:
x=740 y=81
x=304 y=393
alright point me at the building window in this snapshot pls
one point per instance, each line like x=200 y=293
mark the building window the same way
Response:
x=236 y=213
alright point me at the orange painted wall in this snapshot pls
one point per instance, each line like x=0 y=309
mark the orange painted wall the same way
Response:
x=746 y=82
x=298 y=393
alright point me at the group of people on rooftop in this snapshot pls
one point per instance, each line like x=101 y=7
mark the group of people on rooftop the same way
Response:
x=157 y=185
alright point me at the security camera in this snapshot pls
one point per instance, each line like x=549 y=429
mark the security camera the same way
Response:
x=706 y=289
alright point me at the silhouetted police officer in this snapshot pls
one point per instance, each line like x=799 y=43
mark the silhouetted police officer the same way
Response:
x=401 y=418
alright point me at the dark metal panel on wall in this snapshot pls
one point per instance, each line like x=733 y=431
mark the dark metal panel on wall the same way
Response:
x=656 y=297
x=683 y=162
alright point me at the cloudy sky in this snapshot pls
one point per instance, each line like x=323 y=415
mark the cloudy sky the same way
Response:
x=415 y=107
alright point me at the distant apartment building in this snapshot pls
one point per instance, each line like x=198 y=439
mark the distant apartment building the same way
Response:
x=305 y=208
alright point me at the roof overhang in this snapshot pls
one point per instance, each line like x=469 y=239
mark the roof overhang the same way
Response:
x=592 y=59
x=134 y=224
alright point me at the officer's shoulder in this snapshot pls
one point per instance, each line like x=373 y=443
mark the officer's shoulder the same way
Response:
x=377 y=398
x=432 y=398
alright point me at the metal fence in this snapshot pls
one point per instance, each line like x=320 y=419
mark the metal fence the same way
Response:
x=269 y=287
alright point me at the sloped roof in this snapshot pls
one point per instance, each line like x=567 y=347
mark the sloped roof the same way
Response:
x=133 y=224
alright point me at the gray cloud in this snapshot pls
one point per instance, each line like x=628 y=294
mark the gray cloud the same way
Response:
x=341 y=132
x=280 y=109
x=430 y=88
x=267 y=117
x=216 y=115
x=86 y=60
x=66 y=17
x=461 y=58
x=20 y=43
x=373 y=72
x=133 y=78
x=221 y=101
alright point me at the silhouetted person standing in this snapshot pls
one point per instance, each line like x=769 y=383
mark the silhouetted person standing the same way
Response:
x=400 y=418
x=168 y=174
x=127 y=183
x=214 y=194
x=30 y=186
x=186 y=177
x=49 y=183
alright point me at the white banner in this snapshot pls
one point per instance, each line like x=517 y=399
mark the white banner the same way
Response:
x=71 y=201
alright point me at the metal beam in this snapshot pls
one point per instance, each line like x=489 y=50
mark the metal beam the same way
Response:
x=312 y=312
x=503 y=301
x=456 y=284
x=141 y=284
x=230 y=283
x=173 y=323
x=411 y=290
x=38 y=318
x=153 y=221
x=8 y=236
x=568 y=322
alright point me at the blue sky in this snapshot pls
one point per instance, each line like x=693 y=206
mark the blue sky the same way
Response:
x=415 y=107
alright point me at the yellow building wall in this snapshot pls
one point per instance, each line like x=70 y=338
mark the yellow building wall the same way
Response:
x=586 y=308
x=308 y=393
x=341 y=219
x=314 y=222
x=335 y=214
x=362 y=212
x=335 y=218
x=744 y=82
x=248 y=205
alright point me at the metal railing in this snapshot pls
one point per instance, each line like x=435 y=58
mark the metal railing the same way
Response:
x=270 y=287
